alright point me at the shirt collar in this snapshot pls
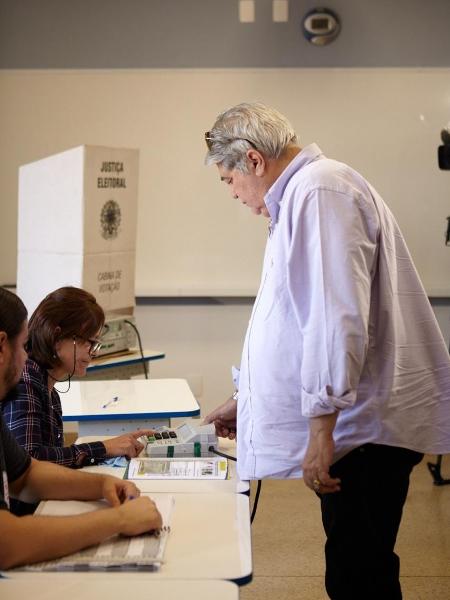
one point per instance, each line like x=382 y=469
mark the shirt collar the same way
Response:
x=274 y=196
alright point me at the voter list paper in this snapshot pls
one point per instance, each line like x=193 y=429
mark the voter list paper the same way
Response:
x=178 y=468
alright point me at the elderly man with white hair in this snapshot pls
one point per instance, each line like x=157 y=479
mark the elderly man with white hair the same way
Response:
x=345 y=376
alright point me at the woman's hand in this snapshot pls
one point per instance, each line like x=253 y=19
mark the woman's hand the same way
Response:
x=127 y=444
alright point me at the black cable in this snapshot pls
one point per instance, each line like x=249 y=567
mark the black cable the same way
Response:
x=69 y=377
x=144 y=364
x=258 y=488
x=255 y=502
x=214 y=451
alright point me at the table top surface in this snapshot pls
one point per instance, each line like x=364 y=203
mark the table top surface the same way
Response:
x=75 y=587
x=128 y=399
x=210 y=539
x=123 y=359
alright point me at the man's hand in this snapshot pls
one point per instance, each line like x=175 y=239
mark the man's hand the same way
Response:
x=224 y=419
x=127 y=444
x=139 y=516
x=118 y=491
x=319 y=455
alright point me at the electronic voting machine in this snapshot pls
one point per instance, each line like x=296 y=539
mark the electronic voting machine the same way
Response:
x=184 y=440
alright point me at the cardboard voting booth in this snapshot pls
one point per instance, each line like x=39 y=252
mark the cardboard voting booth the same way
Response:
x=77 y=225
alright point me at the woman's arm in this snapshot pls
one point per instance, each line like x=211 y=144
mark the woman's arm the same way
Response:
x=35 y=419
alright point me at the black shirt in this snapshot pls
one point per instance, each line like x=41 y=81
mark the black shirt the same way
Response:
x=14 y=461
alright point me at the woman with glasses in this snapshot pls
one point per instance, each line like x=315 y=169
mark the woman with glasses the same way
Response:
x=28 y=540
x=62 y=340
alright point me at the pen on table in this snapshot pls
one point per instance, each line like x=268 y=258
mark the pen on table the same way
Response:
x=115 y=399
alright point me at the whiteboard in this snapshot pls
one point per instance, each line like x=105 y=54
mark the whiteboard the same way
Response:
x=193 y=238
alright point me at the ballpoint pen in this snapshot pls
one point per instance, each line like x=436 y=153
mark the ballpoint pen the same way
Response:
x=115 y=399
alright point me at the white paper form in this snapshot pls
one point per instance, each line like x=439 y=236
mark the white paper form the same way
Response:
x=178 y=468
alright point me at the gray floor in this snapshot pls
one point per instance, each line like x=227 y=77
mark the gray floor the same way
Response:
x=288 y=542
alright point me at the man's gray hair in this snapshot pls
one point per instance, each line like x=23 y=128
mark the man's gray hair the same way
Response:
x=245 y=126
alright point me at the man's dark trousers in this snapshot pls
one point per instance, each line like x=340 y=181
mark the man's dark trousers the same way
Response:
x=362 y=520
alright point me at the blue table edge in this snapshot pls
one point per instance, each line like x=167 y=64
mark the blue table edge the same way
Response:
x=240 y=581
x=135 y=416
x=125 y=363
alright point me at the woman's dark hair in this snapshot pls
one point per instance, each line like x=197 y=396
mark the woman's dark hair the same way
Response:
x=64 y=314
x=12 y=313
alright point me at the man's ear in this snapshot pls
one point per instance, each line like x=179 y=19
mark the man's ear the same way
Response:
x=3 y=343
x=258 y=161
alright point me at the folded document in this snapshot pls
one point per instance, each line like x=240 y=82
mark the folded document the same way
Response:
x=142 y=552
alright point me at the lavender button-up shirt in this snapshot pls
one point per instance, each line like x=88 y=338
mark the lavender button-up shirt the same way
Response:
x=341 y=322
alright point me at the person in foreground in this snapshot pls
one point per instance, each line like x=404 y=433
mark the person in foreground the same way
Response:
x=62 y=341
x=30 y=539
x=345 y=376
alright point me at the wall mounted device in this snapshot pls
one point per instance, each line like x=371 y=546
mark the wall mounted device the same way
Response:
x=117 y=335
x=444 y=150
x=185 y=440
x=321 y=26
x=444 y=164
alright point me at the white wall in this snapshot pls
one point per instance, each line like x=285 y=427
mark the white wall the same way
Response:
x=201 y=343
x=193 y=239
x=442 y=312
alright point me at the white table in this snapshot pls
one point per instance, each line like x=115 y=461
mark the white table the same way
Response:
x=77 y=588
x=141 y=403
x=210 y=539
x=121 y=366
x=231 y=485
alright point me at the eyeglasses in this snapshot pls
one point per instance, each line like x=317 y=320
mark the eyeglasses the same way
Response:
x=209 y=139
x=94 y=345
